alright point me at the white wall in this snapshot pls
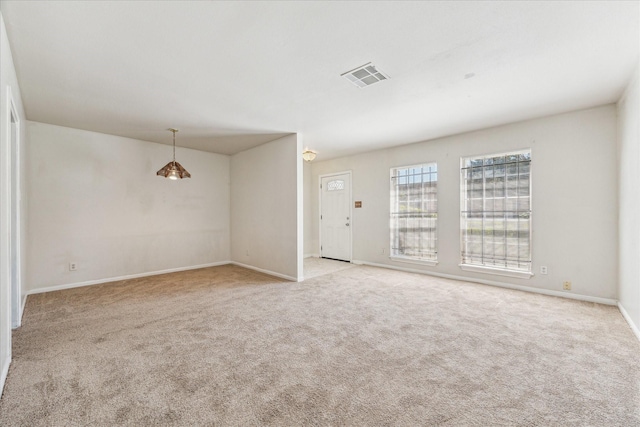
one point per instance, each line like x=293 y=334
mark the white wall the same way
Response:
x=575 y=206
x=629 y=182
x=266 y=201
x=309 y=246
x=8 y=81
x=95 y=200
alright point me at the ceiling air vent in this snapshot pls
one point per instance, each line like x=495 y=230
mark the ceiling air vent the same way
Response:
x=365 y=75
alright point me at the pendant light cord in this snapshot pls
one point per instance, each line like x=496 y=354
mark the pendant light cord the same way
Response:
x=174 y=145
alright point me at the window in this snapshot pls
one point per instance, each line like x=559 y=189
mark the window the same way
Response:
x=335 y=185
x=414 y=213
x=495 y=212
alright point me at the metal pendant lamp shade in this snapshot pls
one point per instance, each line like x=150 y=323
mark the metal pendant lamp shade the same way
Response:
x=173 y=170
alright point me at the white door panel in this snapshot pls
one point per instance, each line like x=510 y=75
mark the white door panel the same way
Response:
x=335 y=217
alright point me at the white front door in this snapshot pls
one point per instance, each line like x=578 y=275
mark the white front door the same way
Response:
x=335 y=217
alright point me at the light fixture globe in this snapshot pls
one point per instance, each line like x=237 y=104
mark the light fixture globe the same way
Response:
x=308 y=155
x=173 y=170
x=173 y=173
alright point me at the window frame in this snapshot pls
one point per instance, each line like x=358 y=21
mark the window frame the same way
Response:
x=492 y=269
x=392 y=229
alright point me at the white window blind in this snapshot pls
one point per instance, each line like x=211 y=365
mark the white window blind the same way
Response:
x=414 y=212
x=495 y=214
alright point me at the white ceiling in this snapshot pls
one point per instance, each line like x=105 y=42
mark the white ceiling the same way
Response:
x=232 y=75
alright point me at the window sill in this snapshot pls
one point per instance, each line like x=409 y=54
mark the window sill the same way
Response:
x=496 y=271
x=414 y=261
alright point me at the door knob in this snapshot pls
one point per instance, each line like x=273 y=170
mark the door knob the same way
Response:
x=347 y=224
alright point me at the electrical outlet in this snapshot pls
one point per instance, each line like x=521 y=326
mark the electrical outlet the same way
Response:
x=566 y=285
x=383 y=251
x=247 y=252
x=73 y=266
x=544 y=270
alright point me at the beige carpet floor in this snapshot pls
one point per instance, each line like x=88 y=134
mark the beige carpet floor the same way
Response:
x=314 y=267
x=362 y=346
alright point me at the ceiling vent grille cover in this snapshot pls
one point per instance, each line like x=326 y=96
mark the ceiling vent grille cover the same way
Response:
x=365 y=75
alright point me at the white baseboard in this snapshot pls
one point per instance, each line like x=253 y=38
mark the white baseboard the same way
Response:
x=588 y=298
x=632 y=325
x=262 y=270
x=119 y=278
x=4 y=372
x=312 y=255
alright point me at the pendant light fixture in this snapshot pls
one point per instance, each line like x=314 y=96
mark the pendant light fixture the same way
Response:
x=173 y=170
